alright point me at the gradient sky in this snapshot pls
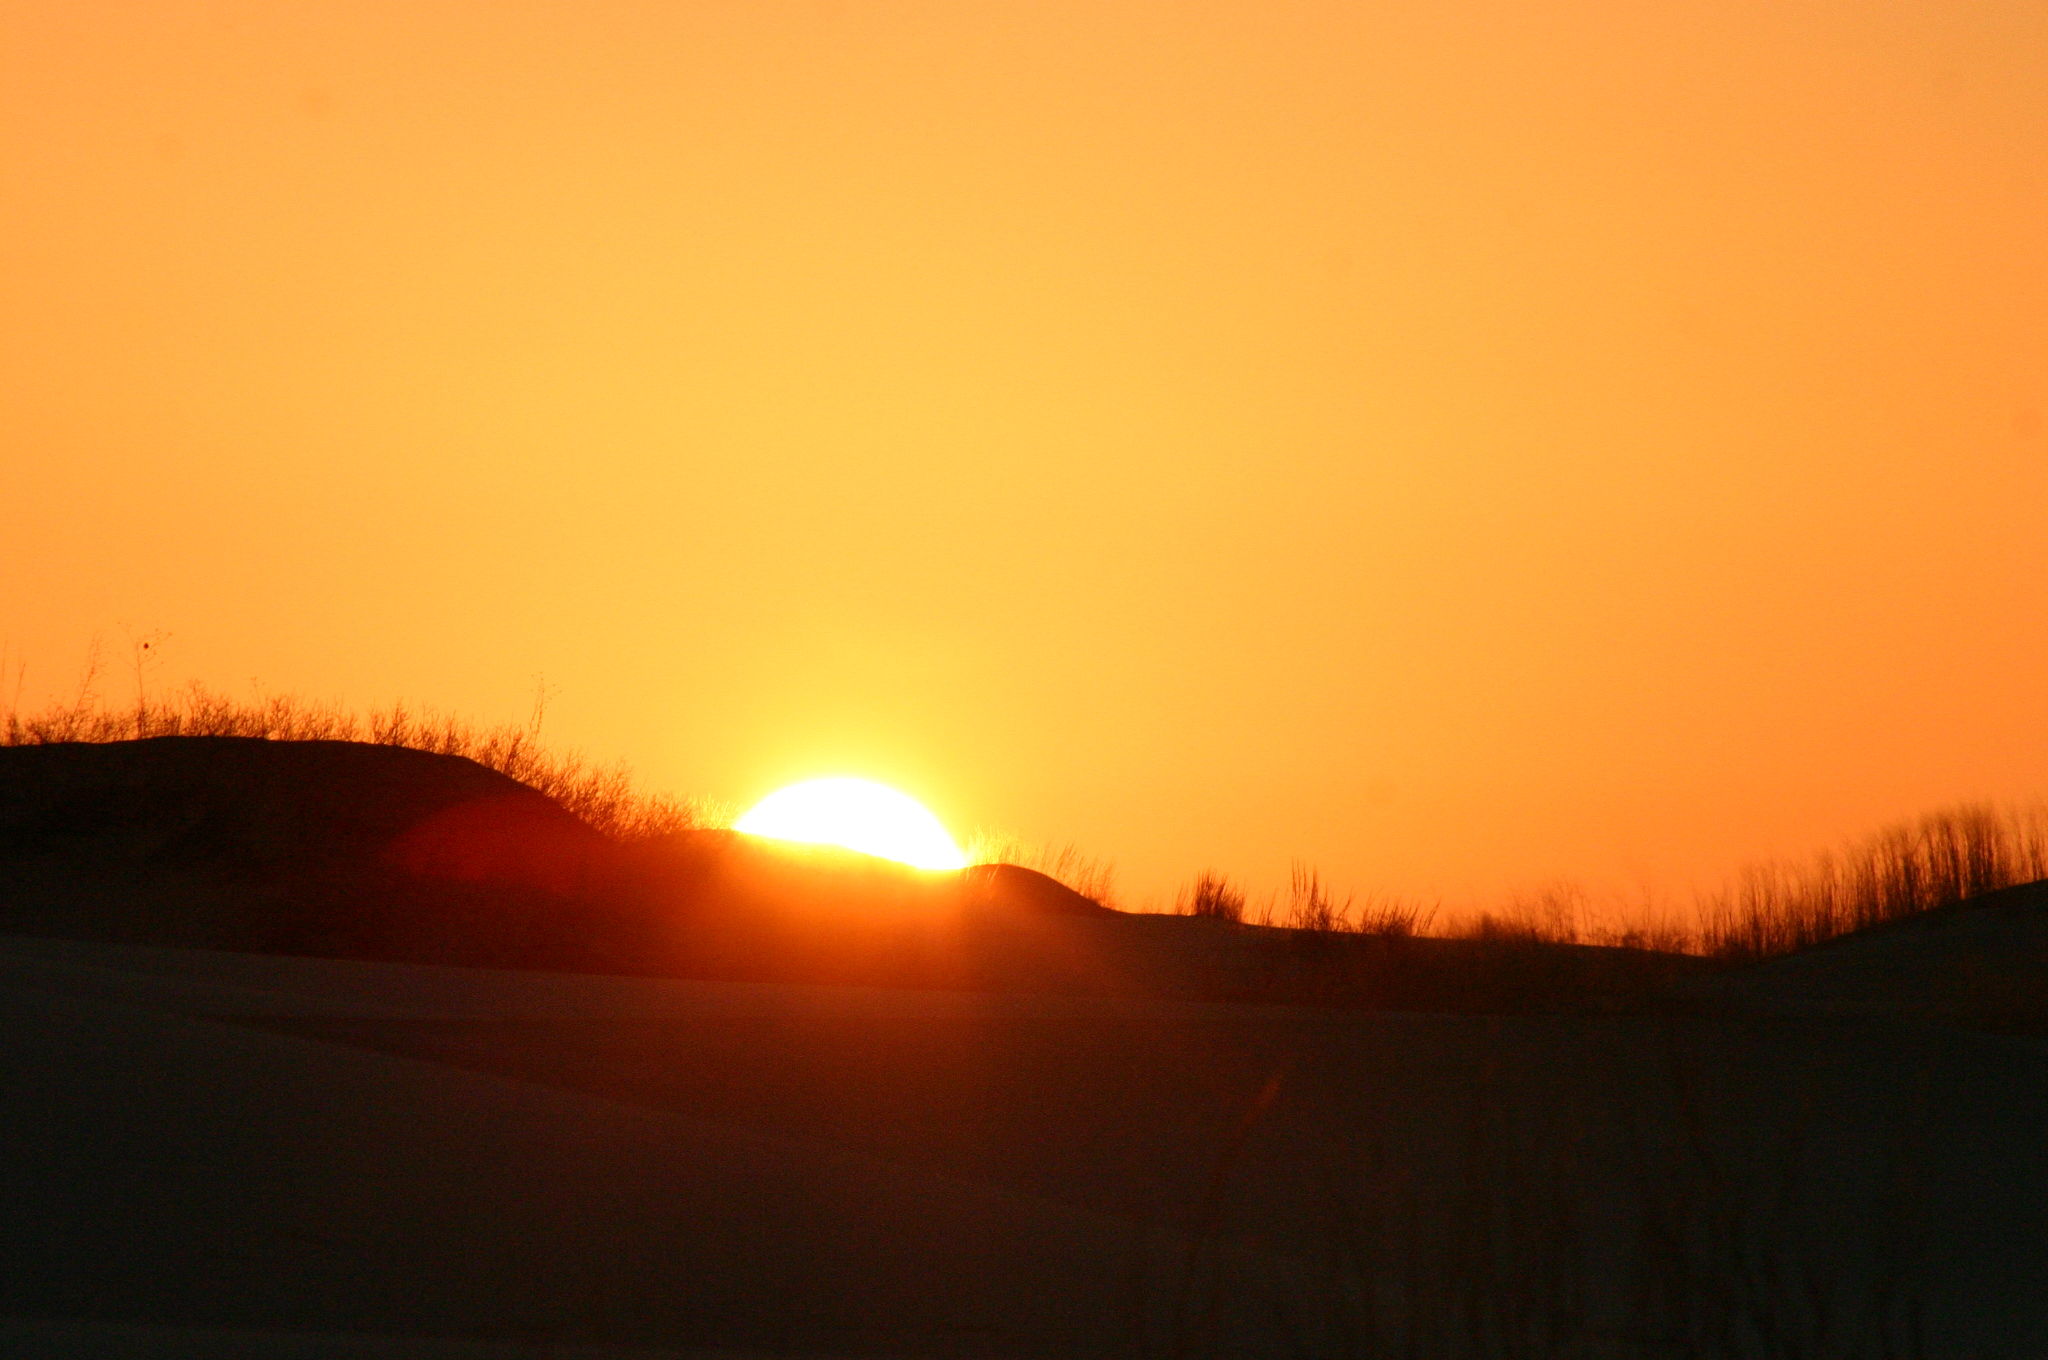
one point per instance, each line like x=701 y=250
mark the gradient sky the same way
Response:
x=1456 y=444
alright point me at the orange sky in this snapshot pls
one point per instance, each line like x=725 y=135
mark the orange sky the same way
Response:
x=1456 y=444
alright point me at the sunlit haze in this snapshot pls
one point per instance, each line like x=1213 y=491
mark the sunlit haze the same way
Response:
x=1452 y=445
x=858 y=815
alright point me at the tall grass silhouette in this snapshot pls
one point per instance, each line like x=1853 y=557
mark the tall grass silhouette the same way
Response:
x=606 y=796
x=1312 y=906
x=1909 y=868
x=1903 y=870
x=1211 y=895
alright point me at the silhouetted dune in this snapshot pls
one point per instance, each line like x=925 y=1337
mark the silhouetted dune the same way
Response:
x=239 y=803
x=1018 y=888
x=325 y=848
x=352 y=850
x=1981 y=963
x=348 y=850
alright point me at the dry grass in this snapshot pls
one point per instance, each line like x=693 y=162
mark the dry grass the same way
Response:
x=1311 y=906
x=1213 y=896
x=1390 y=914
x=1903 y=870
x=1907 y=869
x=605 y=796
x=1563 y=912
x=1093 y=878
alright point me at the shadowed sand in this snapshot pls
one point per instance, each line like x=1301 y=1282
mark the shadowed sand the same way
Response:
x=207 y=1140
x=1066 y=1152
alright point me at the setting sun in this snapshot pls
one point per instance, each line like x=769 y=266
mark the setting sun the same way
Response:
x=859 y=815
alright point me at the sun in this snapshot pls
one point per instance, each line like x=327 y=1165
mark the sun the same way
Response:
x=859 y=815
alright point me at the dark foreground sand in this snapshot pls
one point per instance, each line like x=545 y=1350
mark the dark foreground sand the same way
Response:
x=229 y=1154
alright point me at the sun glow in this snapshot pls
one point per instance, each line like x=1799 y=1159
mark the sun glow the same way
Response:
x=859 y=815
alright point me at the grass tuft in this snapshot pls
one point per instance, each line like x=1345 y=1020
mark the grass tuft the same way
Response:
x=1313 y=907
x=1213 y=896
x=1392 y=915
